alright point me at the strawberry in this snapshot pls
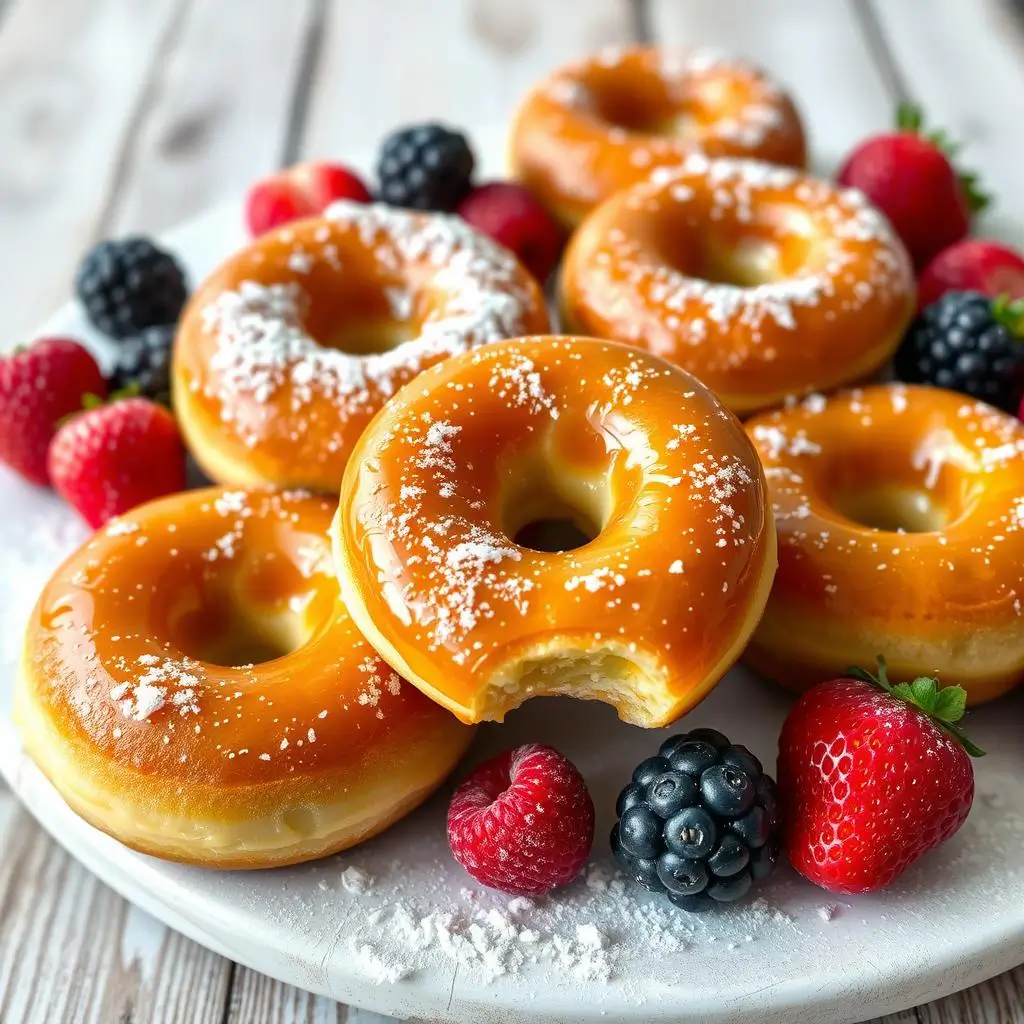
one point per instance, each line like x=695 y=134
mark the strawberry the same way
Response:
x=871 y=777
x=974 y=265
x=111 y=458
x=909 y=176
x=300 y=191
x=39 y=386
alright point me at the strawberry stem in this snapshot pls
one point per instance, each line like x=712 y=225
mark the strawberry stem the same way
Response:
x=944 y=705
x=1010 y=313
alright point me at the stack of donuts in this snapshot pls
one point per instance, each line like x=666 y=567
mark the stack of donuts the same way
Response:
x=429 y=508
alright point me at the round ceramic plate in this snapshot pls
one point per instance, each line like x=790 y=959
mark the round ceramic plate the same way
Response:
x=397 y=927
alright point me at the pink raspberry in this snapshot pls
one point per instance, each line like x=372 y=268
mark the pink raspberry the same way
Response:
x=522 y=822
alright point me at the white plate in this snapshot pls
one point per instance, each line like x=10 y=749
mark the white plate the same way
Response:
x=424 y=941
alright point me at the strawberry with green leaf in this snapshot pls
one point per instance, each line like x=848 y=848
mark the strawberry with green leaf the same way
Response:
x=872 y=775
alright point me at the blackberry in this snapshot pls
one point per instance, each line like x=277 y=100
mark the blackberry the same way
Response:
x=425 y=167
x=143 y=364
x=126 y=285
x=698 y=823
x=968 y=342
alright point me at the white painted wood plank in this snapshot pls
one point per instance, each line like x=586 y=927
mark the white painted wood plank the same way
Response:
x=814 y=48
x=71 y=76
x=965 y=63
x=999 y=1000
x=464 y=61
x=73 y=951
x=218 y=111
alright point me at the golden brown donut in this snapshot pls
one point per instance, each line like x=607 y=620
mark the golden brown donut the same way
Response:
x=286 y=351
x=900 y=513
x=438 y=547
x=761 y=281
x=193 y=686
x=601 y=124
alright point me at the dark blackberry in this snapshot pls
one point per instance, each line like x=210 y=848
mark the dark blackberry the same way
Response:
x=698 y=822
x=126 y=285
x=425 y=167
x=968 y=342
x=143 y=364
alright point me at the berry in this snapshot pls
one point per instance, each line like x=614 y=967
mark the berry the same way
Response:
x=522 y=822
x=143 y=364
x=425 y=167
x=967 y=342
x=872 y=776
x=909 y=177
x=129 y=284
x=111 y=458
x=39 y=386
x=699 y=821
x=973 y=265
x=304 y=190
x=510 y=215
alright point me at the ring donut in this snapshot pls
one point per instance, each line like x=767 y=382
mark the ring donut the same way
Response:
x=601 y=124
x=193 y=686
x=288 y=349
x=759 y=280
x=900 y=513
x=440 y=539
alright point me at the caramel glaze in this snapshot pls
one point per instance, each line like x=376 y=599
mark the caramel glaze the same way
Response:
x=761 y=281
x=648 y=615
x=946 y=598
x=230 y=765
x=289 y=348
x=601 y=124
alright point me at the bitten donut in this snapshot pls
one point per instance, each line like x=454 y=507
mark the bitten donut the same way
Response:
x=556 y=516
x=286 y=351
x=193 y=686
x=900 y=513
x=759 y=280
x=598 y=125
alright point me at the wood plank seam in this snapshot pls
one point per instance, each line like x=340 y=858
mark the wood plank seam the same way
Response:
x=298 y=115
x=229 y=992
x=640 y=17
x=875 y=39
x=147 y=96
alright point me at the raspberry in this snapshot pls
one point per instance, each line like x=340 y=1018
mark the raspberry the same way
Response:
x=975 y=264
x=522 y=822
x=129 y=284
x=425 y=167
x=511 y=215
x=304 y=190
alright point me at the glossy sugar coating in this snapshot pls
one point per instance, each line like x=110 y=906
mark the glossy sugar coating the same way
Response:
x=604 y=123
x=936 y=584
x=140 y=700
x=287 y=351
x=647 y=615
x=761 y=280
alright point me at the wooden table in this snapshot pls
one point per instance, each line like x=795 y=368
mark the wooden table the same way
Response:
x=122 y=115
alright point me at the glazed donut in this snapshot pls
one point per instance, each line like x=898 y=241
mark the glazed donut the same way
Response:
x=192 y=685
x=446 y=546
x=759 y=280
x=601 y=124
x=289 y=348
x=900 y=513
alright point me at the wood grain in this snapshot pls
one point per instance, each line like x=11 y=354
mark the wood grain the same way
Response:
x=71 y=75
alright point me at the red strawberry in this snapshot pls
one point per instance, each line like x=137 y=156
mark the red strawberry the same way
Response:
x=300 y=191
x=113 y=457
x=974 y=265
x=871 y=777
x=39 y=386
x=511 y=215
x=522 y=822
x=909 y=177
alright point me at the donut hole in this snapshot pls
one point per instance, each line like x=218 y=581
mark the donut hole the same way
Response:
x=553 y=534
x=645 y=108
x=894 y=509
x=368 y=338
x=360 y=315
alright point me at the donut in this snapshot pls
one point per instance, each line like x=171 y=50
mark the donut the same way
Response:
x=193 y=686
x=286 y=352
x=759 y=280
x=900 y=513
x=556 y=516
x=601 y=124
